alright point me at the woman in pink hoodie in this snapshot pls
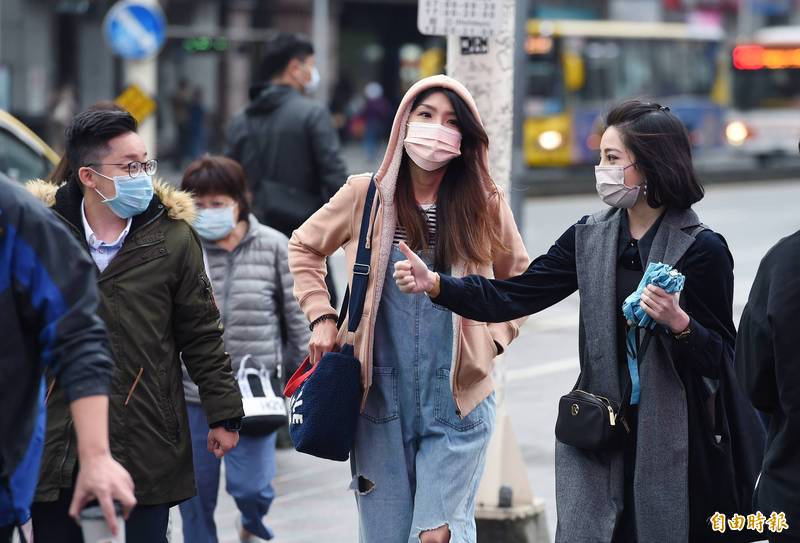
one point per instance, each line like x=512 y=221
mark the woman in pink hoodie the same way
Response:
x=428 y=407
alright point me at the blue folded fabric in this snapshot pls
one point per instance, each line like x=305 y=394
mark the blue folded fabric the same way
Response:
x=660 y=275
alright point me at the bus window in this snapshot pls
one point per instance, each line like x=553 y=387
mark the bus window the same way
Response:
x=576 y=69
x=543 y=79
x=766 y=88
x=618 y=69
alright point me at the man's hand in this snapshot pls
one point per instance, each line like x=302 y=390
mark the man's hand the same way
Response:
x=103 y=479
x=220 y=441
x=100 y=477
x=413 y=276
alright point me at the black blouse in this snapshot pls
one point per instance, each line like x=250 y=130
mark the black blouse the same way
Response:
x=707 y=296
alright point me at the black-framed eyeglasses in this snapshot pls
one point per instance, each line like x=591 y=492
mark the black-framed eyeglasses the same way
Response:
x=134 y=168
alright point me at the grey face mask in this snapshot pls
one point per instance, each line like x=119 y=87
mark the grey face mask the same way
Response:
x=612 y=188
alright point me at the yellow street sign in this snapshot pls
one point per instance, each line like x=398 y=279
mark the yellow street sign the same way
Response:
x=137 y=102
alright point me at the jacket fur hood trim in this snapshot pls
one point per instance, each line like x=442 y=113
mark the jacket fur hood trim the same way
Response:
x=179 y=203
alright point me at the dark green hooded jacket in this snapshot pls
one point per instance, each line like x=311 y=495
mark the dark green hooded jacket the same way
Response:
x=157 y=304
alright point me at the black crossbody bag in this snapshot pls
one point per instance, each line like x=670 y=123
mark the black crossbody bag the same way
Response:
x=592 y=422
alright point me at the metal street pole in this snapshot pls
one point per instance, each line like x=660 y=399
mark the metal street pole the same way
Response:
x=744 y=22
x=320 y=24
x=505 y=507
x=518 y=167
x=144 y=73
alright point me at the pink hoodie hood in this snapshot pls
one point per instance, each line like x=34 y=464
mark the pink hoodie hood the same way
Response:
x=335 y=225
x=386 y=175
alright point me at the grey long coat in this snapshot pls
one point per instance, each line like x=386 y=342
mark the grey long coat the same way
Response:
x=253 y=290
x=589 y=486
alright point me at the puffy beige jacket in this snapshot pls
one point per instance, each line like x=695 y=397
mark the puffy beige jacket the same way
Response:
x=337 y=224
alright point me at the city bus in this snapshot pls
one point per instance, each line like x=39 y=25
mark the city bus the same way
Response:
x=764 y=121
x=575 y=69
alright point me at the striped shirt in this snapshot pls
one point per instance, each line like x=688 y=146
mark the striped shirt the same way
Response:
x=429 y=210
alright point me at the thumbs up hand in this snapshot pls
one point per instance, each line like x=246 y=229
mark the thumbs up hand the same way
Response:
x=413 y=276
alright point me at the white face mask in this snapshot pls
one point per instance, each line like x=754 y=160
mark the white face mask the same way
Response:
x=612 y=188
x=313 y=83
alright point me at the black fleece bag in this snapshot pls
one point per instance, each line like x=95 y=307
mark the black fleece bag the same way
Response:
x=325 y=398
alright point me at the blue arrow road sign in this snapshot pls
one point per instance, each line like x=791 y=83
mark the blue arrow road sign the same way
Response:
x=135 y=30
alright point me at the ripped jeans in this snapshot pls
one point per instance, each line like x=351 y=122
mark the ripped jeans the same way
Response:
x=416 y=464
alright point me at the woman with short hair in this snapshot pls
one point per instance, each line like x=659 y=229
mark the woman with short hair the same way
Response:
x=248 y=267
x=645 y=489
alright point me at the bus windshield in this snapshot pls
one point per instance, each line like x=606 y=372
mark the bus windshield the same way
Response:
x=766 y=88
x=621 y=68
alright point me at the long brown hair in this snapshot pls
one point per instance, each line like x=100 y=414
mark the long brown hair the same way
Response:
x=467 y=218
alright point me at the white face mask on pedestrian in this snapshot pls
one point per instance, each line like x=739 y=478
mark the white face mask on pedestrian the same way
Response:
x=313 y=84
x=612 y=189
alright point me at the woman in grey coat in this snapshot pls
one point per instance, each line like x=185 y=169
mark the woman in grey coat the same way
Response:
x=248 y=267
x=653 y=487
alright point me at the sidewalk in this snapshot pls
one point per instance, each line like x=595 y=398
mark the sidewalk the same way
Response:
x=313 y=504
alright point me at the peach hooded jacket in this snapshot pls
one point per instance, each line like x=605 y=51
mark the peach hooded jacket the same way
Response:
x=337 y=224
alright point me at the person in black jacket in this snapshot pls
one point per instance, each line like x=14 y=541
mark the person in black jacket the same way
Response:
x=47 y=315
x=286 y=141
x=768 y=365
x=673 y=451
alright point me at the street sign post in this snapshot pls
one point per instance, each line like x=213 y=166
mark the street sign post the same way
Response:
x=136 y=30
x=481 y=53
x=461 y=18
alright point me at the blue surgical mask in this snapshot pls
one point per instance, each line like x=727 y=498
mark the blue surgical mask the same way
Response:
x=214 y=223
x=133 y=194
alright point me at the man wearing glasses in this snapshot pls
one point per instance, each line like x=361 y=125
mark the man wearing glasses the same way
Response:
x=157 y=304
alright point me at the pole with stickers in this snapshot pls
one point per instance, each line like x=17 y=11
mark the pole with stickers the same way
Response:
x=481 y=53
x=135 y=30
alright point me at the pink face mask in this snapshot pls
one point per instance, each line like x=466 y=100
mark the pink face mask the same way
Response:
x=431 y=146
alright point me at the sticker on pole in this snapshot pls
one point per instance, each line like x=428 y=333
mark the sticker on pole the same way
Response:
x=474 y=46
x=481 y=18
x=135 y=30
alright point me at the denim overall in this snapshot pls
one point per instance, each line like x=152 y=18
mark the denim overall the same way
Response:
x=416 y=464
